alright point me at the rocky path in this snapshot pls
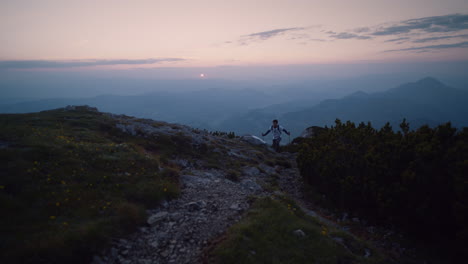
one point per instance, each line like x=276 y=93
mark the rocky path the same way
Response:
x=177 y=231
x=211 y=200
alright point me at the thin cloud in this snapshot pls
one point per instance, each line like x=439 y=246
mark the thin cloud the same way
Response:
x=433 y=47
x=346 y=35
x=435 y=24
x=31 y=64
x=397 y=39
x=264 y=35
x=362 y=30
x=423 y=40
x=418 y=30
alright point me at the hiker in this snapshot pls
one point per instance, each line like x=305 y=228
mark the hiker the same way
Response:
x=277 y=129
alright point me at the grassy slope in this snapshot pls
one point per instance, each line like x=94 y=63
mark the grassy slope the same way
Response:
x=266 y=235
x=69 y=180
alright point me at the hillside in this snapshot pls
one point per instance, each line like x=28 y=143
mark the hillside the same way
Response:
x=78 y=185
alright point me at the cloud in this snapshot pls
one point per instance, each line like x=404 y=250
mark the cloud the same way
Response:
x=434 y=24
x=264 y=35
x=397 y=39
x=31 y=64
x=423 y=40
x=346 y=35
x=417 y=30
x=433 y=47
x=362 y=30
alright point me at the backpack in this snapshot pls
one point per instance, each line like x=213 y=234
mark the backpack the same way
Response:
x=279 y=129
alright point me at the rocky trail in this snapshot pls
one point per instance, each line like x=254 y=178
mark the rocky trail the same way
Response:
x=211 y=199
x=180 y=229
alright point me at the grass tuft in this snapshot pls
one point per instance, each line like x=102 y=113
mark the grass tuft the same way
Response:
x=266 y=235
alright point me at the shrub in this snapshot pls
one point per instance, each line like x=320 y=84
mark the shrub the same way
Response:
x=415 y=180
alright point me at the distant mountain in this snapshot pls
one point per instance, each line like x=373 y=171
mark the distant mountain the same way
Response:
x=201 y=109
x=427 y=101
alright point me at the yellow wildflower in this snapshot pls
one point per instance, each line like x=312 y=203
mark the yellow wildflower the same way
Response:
x=2 y=187
x=324 y=230
x=57 y=204
x=52 y=217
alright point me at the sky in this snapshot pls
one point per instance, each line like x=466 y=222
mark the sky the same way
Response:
x=119 y=34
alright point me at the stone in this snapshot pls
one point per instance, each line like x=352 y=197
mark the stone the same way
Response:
x=254 y=140
x=176 y=216
x=165 y=253
x=345 y=217
x=251 y=171
x=158 y=217
x=339 y=240
x=154 y=244
x=250 y=185
x=278 y=193
x=367 y=253
x=195 y=206
x=299 y=233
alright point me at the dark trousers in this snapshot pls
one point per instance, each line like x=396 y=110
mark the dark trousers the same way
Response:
x=276 y=144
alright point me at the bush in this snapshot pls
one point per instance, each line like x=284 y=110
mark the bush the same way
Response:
x=416 y=180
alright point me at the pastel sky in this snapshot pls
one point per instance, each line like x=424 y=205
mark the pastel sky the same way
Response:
x=206 y=33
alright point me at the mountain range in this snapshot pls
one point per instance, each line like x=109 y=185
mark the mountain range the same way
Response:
x=427 y=101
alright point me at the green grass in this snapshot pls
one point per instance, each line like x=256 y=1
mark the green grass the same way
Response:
x=69 y=180
x=266 y=235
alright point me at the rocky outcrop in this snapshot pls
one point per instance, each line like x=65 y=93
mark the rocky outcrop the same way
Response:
x=254 y=140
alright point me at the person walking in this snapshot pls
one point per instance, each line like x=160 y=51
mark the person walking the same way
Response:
x=276 y=129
